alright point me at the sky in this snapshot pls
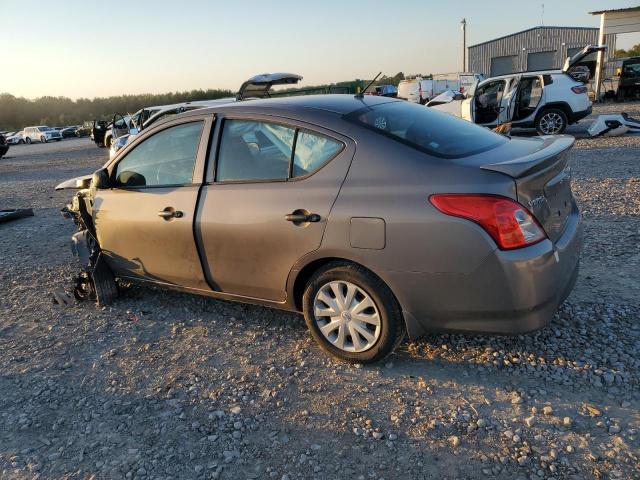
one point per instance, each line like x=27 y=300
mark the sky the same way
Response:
x=88 y=48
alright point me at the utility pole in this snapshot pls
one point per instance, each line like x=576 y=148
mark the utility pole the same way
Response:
x=463 y=27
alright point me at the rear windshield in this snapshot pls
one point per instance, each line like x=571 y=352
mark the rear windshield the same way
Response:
x=428 y=130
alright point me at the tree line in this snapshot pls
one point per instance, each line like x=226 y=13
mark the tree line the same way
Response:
x=632 y=52
x=18 y=112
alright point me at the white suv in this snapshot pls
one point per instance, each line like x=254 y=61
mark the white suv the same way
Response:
x=547 y=100
x=41 y=133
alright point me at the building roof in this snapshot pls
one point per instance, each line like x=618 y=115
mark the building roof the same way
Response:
x=533 y=28
x=617 y=10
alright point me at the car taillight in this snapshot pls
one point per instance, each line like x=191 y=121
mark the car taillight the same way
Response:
x=509 y=224
x=580 y=89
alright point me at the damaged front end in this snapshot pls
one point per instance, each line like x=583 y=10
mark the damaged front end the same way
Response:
x=95 y=280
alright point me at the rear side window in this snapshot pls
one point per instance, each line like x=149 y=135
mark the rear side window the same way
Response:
x=254 y=151
x=166 y=158
x=312 y=152
x=436 y=133
x=258 y=151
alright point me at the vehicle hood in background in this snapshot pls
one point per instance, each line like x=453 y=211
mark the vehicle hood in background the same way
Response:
x=73 y=183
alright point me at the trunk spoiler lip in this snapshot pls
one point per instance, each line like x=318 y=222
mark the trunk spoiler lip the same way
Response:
x=538 y=160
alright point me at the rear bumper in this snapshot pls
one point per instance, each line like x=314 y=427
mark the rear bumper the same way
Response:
x=511 y=292
x=577 y=116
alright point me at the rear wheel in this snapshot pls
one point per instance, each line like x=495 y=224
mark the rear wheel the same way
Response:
x=351 y=313
x=43 y=139
x=552 y=121
x=28 y=140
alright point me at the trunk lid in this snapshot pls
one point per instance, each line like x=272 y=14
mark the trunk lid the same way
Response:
x=259 y=85
x=543 y=182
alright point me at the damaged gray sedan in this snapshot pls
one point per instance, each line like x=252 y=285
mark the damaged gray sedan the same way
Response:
x=374 y=217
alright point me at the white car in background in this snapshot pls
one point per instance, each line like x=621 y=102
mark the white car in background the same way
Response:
x=15 y=138
x=547 y=100
x=41 y=133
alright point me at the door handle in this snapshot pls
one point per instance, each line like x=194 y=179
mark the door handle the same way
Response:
x=302 y=217
x=169 y=213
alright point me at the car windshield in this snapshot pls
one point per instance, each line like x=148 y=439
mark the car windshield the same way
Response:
x=633 y=68
x=428 y=130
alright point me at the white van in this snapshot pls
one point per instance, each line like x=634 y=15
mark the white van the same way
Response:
x=419 y=90
x=416 y=90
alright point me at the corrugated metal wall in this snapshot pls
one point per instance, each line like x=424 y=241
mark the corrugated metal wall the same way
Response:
x=539 y=39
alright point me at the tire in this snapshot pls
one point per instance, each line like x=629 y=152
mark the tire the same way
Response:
x=20 y=142
x=104 y=284
x=551 y=121
x=383 y=337
x=28 y=141
x=43 y=139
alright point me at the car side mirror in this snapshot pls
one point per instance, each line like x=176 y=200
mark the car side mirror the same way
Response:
x=101 y=180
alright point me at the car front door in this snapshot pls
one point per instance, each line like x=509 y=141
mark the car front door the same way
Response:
x=144 y=222
x=267 y=202
x=508 y=103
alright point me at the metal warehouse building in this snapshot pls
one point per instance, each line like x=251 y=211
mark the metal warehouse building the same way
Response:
x=538 y=48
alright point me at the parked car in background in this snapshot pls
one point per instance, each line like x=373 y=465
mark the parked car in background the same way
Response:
x=372 y=216
x=41 y=133
x=85 y=129
x=548 y=100
x=69 y=132
x=15 y=138
x=99 y=129
x=629 y=83
x=4 y=146
x=385 y=91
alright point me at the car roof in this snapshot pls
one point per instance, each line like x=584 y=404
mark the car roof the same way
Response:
x=532 y=72
x=339 y=104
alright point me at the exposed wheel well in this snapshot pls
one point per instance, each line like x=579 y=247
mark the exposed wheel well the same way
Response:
x=308 y=270
x=559 y=106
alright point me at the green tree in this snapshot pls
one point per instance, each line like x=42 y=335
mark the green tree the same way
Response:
x=18 y=112
x=632 y=52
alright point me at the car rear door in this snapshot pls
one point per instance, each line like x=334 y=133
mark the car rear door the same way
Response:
x=144 y=223
x=260 y=212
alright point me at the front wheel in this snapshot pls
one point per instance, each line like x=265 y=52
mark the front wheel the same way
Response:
x=352 y=314
x=551 y=122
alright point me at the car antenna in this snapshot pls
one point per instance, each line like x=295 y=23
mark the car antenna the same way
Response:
x=361 y=94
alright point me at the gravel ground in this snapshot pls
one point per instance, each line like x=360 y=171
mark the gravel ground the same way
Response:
x=167 y=385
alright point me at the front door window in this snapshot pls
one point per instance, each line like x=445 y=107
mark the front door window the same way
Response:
x=488 y=99
x=166 y=158
x=529 y=96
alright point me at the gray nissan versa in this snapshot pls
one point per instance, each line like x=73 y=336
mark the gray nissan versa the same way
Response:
x=373 y=216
